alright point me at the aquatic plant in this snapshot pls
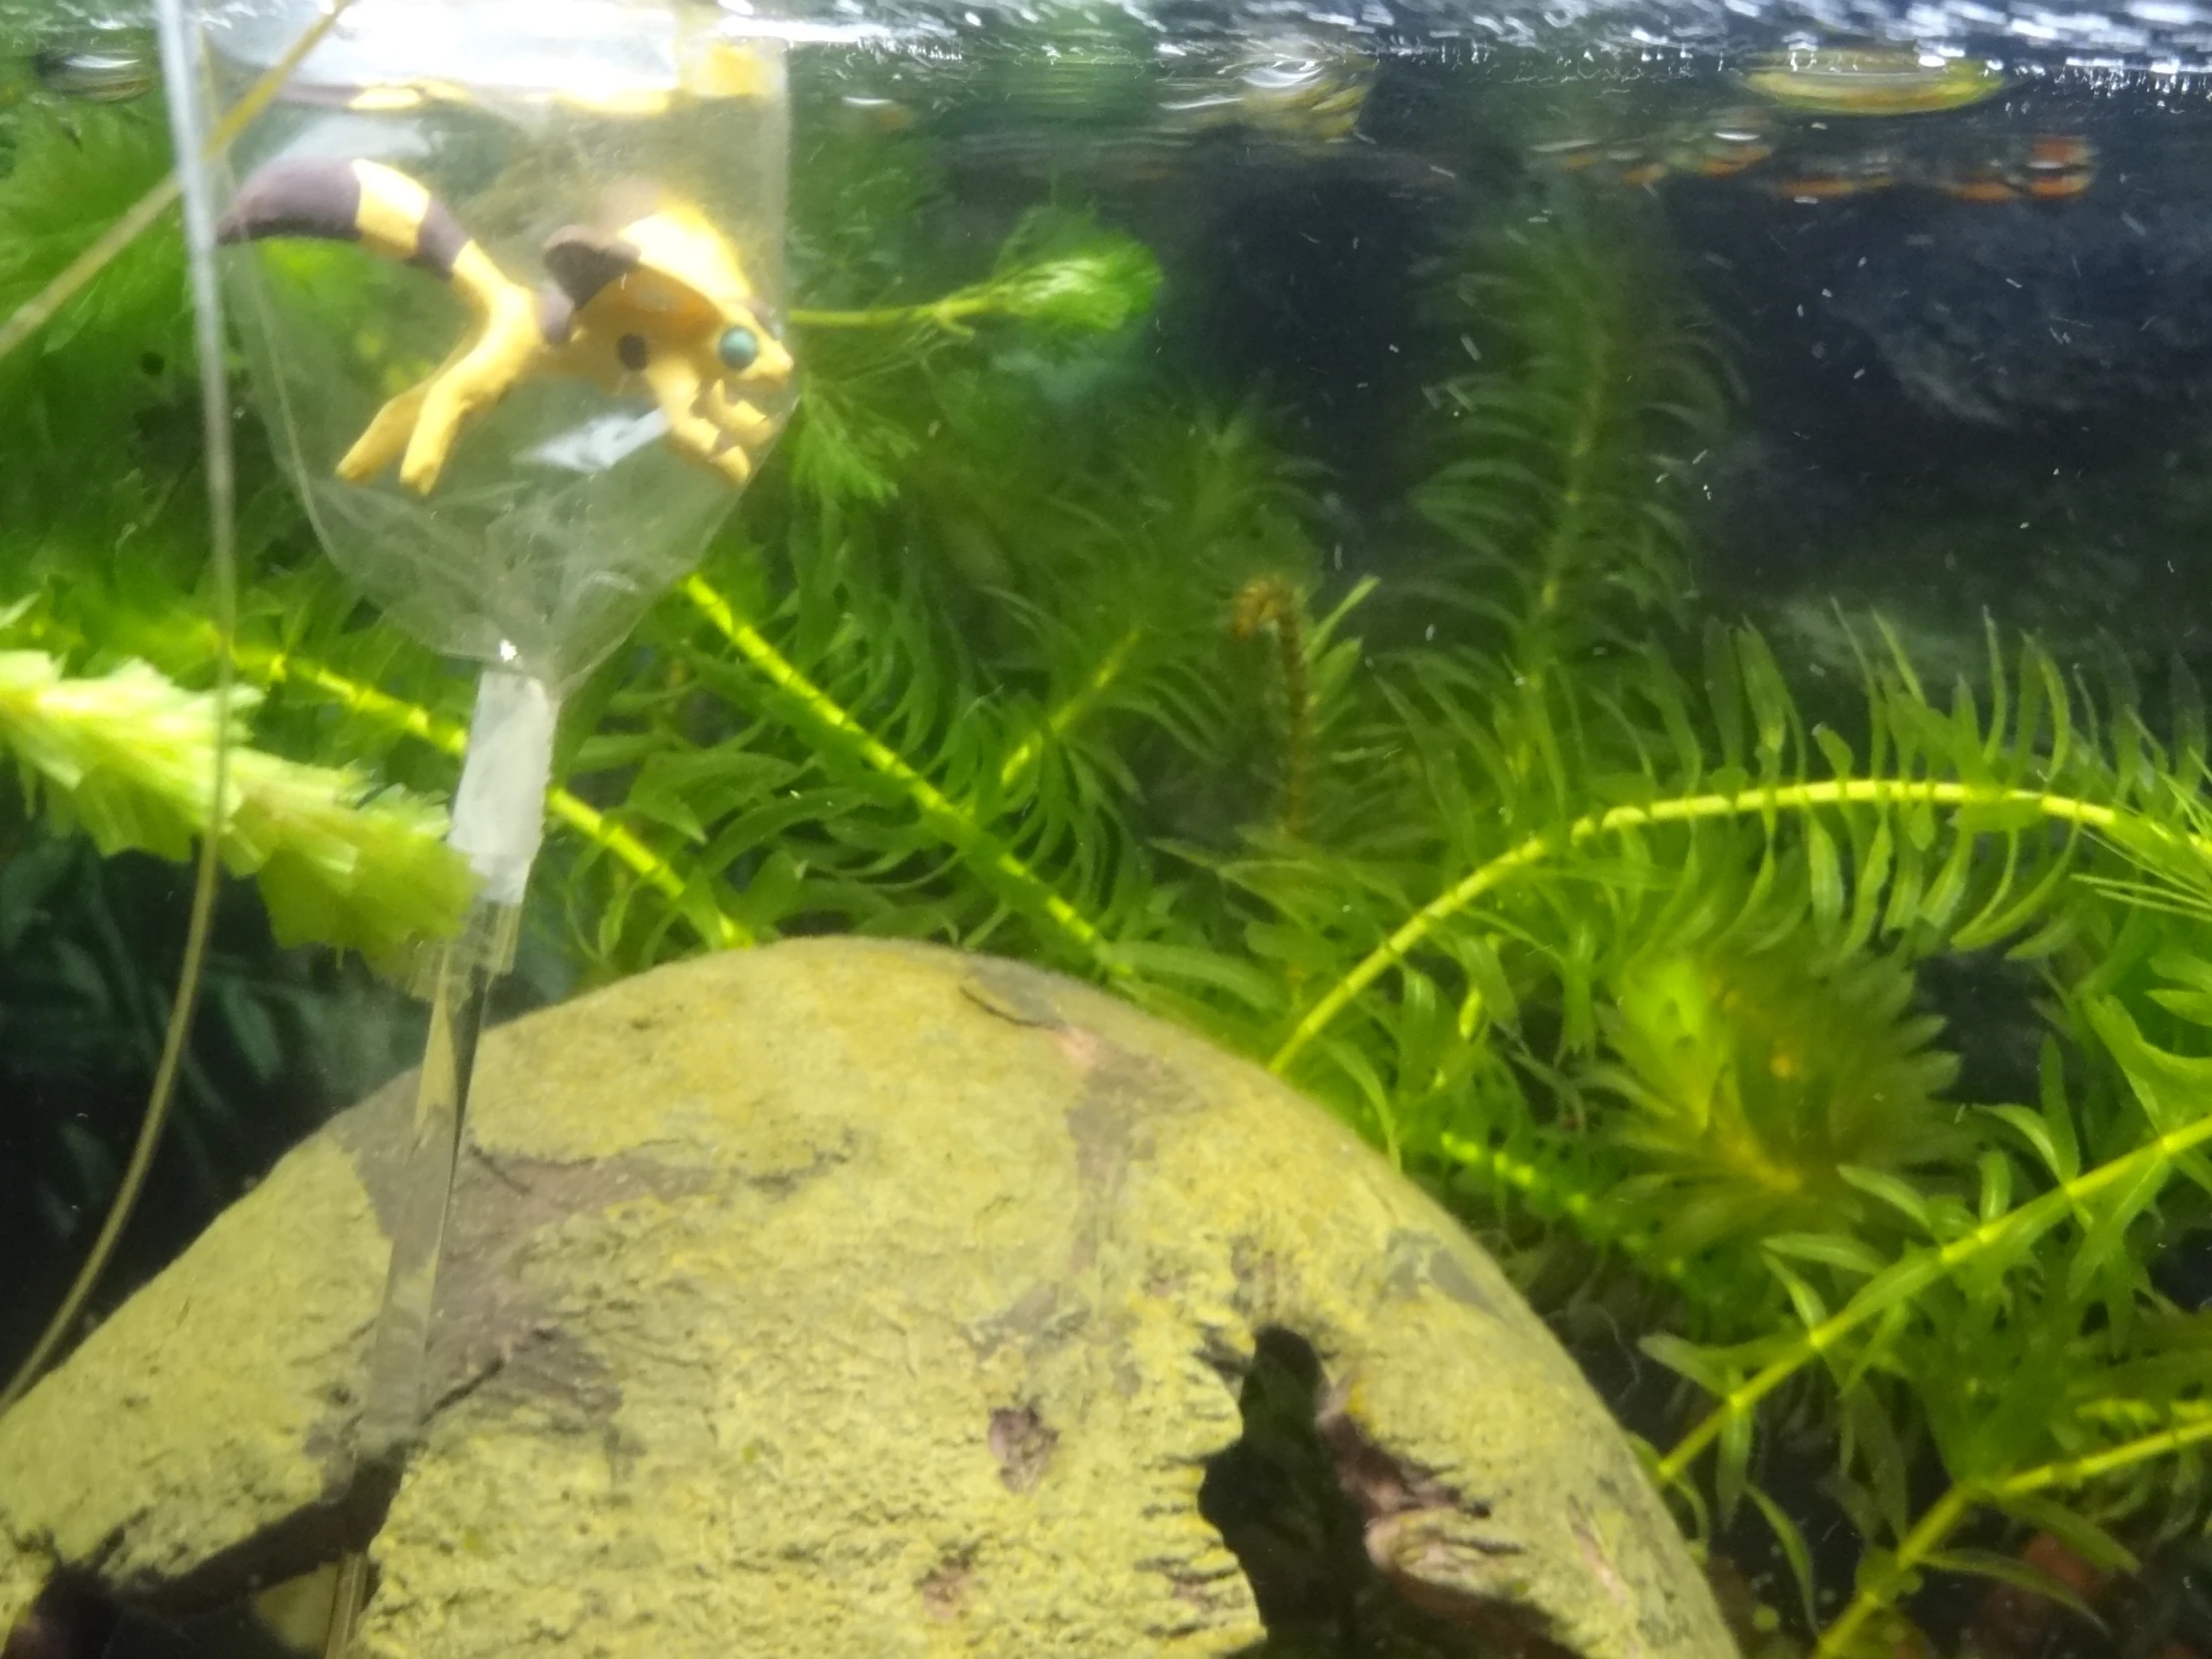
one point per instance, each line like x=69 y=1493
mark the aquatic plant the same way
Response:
x=1749 y=1081
x=1561 y=889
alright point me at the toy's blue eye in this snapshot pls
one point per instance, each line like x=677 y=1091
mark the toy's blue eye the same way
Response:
x=738 y=348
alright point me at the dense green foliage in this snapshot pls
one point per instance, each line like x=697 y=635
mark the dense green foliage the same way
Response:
x=1563 y=890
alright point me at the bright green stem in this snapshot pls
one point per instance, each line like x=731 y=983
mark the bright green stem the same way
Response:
x=1884 y=1587
x=999 y=863
x=1799 y=798
x=722 y=931
x=1079 y=703
x=1886 y=1584
x=949 y=313
x=1910 y=1274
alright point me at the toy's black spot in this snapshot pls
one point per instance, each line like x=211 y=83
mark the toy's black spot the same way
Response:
x=630 y=349
x=739 y=349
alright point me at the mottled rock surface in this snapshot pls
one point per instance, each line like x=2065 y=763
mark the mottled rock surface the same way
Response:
x=846 y=1297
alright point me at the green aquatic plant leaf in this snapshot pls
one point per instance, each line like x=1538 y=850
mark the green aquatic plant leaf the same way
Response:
x=834 y=457
x=124 y=757
x=1057 y=270
x=2094 y=1210
x=110 y=374
x=1772 y=1090
x=1564 y=447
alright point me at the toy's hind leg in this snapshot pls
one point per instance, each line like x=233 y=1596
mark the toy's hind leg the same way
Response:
x=386 y=437
x=502 y=355
x=381 y=444
x=385 y=209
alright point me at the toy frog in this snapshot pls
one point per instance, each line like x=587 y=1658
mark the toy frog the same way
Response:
x=662 y=301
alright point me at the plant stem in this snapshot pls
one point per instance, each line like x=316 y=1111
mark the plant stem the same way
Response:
x=1541 y=1192
x=1802 y=797
x=723 y=932
x=1271 y=602
x=1078 y=704
x=1905 y=1276
x=946 y=314
x=1881 y=1589
x=990 y=856
x=1886 y=1584
x=1562 y=544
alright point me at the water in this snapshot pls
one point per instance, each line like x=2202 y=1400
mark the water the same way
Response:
x=1605 y=599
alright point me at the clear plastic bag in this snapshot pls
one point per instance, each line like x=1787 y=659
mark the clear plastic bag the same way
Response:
x=633 y=148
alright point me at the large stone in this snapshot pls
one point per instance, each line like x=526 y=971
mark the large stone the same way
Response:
x=859 y=1299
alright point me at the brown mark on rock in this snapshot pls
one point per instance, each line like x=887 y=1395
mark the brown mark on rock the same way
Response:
x=1417 y=1536
x=487 y=1322
x=1023 y=1444
x=1036 y=1318
x=1264 y=1284
x=1013 y=993
x=1383 y=1484
x=782 y=1179
x=1417 y=1259
x=1216 y=1595
x=944 y=1587
x=1111 y=1125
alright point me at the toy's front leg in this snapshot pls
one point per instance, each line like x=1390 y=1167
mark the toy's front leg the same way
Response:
x=735 y=415
x=676 y=387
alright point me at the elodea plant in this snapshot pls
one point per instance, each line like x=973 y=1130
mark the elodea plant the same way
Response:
x=1564 y=892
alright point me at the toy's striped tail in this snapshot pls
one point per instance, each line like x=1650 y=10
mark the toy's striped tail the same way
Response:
x=392 y=215
x=341 y=201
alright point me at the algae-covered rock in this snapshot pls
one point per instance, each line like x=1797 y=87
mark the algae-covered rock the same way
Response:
x=859 y=1299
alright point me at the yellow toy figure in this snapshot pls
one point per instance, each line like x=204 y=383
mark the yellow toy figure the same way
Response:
x=662 y=301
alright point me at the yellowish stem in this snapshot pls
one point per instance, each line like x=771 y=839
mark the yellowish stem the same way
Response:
x=1925 y=1267
x=957 y=824
x=1027 y=752
x=1929 y=1533
x=1585 y=1210
x=1883 y=1587
x=1799 y=798
x=269 y=668
x=949 y=314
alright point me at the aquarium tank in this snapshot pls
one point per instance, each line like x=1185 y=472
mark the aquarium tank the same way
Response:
x=1614 y=593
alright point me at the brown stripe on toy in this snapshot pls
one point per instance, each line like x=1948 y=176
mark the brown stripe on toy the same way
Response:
x=439 y=239
x=319 y=199
x=584 y=261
